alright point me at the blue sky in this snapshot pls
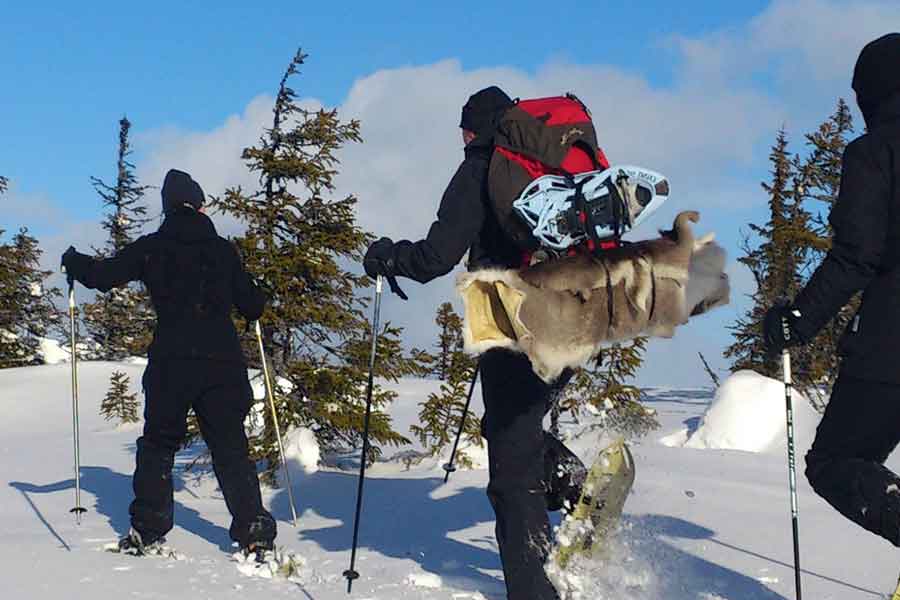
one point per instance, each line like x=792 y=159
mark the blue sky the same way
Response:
x=695 y=89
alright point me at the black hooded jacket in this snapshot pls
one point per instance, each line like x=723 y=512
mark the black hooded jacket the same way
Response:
x=194 y=277
x=866 y=252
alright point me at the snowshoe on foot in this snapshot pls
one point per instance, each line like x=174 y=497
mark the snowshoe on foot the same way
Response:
x=257 y=551
x=136 y=545
x=588 y=526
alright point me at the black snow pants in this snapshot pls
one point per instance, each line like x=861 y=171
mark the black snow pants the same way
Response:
x=531 y=472
x=861 y=427
x=221 y=397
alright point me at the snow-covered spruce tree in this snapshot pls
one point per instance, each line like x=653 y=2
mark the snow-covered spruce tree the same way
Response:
x=601 y=387
x=118 y=403
x=27 y=309
x=440 y=414
x=775 y=253
x=120 y=322
x=4 y=183
x=298 y=242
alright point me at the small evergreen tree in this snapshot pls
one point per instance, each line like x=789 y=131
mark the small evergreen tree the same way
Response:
x=775 y=262
x=27 y=309
x=118 y=403
x=824 y=165
x=4 y=184
x=449 y=339
x=121 y=321
x=297 y=243
x=791 y=245
x=441 y=413
x=602 y=387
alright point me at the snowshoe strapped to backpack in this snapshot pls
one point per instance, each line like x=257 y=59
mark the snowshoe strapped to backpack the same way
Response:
x=551 y=186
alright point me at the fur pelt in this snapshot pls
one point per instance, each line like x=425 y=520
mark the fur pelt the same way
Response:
x=562 y=312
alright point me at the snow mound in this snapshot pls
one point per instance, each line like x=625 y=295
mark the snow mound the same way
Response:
x=301 y=450
x=748 y=413
x=53 y=352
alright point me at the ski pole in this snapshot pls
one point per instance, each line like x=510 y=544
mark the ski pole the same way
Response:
x=78 y=510
x=449 y=467
x=792 y=469
x=271 y=394
x=351 y=573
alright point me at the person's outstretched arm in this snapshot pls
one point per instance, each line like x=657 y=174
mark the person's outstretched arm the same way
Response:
x=459 y=220
x=106 y=273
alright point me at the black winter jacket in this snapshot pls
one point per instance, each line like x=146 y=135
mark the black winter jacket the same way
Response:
x=465 y=222
x=194 y=278
x=865 y=254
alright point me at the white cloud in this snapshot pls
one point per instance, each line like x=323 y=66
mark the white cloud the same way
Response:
x=705 y=130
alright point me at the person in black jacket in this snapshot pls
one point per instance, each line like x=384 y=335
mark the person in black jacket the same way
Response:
x=861 y=425
x=530 y=470
x=194 y=278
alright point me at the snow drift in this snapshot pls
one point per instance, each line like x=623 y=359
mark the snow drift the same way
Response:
x=749 y=414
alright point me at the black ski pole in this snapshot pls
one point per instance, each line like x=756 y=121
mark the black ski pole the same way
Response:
x=351 y=573
x=449 y=467
x=792 y=469
x=78 y=510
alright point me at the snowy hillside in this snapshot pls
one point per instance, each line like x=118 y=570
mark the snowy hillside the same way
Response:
x=701 y=523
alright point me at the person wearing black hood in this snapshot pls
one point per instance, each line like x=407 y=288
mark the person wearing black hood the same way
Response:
x=861 y=425
x=194 y=278
x=531 y=472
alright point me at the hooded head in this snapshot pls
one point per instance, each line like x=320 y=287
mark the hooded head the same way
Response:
x=180 y=190
x=876 y=78
x=484 y=109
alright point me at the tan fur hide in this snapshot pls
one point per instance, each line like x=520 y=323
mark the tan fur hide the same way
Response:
x=562 y=312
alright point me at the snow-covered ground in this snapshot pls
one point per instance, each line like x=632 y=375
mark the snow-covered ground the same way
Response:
x=702 y=523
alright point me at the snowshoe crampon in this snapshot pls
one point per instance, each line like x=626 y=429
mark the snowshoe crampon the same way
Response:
x=586 y=530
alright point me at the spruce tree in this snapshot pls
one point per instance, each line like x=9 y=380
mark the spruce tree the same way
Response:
x=775 y=255
x=602 y=387
x=441 y=413
x=449 y=339
x=298 y=243
x=27 y=309
x=4 y=184
x=118 y=403
x=822 y=185
x=120 y=322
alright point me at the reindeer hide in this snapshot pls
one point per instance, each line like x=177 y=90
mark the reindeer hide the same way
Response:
x=562 y=312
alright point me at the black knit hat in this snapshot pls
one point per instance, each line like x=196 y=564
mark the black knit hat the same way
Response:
x=483 y=110
x=180 y=190
x=877 y=74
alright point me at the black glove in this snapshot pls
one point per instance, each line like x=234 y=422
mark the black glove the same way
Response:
x=379 y=259
x=780 y=328
x=71 y=264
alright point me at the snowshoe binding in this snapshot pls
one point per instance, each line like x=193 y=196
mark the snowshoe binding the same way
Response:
x=256 y=551
x=135 y=544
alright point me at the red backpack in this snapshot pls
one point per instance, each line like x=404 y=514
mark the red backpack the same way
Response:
x=543 y=136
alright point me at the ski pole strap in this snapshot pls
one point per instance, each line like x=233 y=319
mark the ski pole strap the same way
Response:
x=395 y=287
